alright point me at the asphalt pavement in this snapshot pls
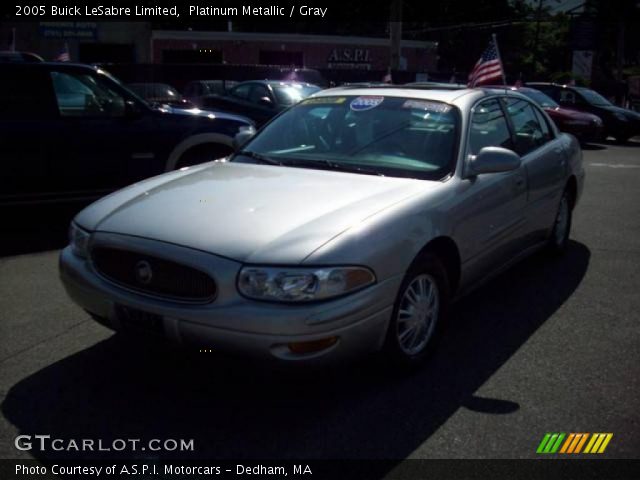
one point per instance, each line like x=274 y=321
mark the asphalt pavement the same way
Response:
x=552 y=345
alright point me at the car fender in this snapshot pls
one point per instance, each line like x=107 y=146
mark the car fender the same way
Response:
x=192 y=141
x=389 y=241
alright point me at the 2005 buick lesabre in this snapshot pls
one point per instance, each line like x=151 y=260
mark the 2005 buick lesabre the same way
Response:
x=346 y=225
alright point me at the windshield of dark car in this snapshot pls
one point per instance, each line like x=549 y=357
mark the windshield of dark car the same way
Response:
x=542 y=99
x=594 y=98
x=291 y=94
x=392 y=136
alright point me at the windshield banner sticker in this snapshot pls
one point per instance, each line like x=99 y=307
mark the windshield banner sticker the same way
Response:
x=361 y=104
x=428 y=106
x=324 y=101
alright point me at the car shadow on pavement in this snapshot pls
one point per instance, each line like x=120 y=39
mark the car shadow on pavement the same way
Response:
x=235 y=410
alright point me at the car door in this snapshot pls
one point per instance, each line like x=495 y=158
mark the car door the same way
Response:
x=544 y=161
x=104 y=147
x=28 y=135
x=492 y=208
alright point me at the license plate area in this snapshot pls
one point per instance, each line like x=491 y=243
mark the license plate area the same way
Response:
x=140 y=321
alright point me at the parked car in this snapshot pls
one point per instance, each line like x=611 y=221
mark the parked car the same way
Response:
x=585 y=126
x=71 y=132
x=10 y=56
x=260 y=100
x=159 y=94
x=346 y=225
x=195 y=90
x=619 y=123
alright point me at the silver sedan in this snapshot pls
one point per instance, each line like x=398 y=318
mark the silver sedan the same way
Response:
x=346 y=225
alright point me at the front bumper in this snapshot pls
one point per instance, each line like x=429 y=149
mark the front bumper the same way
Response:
x=232 y=323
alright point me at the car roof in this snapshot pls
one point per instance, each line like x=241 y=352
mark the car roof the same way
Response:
x=414 y=91
x=57 y=65
x=281 y=82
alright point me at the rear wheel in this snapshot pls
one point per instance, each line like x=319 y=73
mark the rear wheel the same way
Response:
x=418 y=312
x=562 y=226
x=203 y=153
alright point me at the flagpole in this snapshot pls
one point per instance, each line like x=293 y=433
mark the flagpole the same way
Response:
x=495 y=43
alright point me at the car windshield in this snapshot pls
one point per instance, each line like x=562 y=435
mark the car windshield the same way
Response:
x=542 y=99
x=291 y=94
x=594 y=98
x=391 y=136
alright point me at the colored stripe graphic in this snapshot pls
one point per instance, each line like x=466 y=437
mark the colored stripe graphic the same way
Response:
x=598 y=443
x=550 y=443
x=574 y=443
x=567 y=443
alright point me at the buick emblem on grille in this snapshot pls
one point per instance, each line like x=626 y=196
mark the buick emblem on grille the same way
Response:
x=143 y=272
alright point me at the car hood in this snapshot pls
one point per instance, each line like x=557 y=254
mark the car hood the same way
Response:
x=205 y=114
x=630 y=114
x=570 y=114
x=246 y=212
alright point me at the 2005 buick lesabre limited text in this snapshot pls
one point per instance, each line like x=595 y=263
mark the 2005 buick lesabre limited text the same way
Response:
x=346 y=225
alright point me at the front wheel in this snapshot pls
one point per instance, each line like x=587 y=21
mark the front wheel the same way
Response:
x=561 y=227
x=418 y=312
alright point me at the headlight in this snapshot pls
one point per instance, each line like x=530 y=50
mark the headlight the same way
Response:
x=79 y=240
x=301 y=284
x=621 y=116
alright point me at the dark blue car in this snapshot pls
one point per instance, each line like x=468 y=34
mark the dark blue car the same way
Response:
x=74 y=133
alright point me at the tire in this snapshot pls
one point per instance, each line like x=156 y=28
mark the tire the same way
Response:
x=416 y=324
x=621 y=139
x=203 y=153
x=561 y=229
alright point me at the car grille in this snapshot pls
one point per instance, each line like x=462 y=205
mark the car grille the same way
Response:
x=153 y=275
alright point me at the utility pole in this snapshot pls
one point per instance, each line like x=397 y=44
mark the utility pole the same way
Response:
x=395 y=32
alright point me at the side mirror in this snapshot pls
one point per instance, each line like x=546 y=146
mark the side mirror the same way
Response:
x=494 y=160
x=242 y=137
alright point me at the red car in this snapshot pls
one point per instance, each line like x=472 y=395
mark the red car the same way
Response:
x=585 y=126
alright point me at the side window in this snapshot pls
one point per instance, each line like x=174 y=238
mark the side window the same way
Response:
x=25 y=95
x=547 y=131
x=528 y=132
x=489 y=127
x=241 y=91
x=83 y=95
x=258 y=92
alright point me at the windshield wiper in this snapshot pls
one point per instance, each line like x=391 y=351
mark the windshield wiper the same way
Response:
x=259 y=157
x=341 y=167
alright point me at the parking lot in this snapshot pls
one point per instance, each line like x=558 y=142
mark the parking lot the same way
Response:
x=549 y=346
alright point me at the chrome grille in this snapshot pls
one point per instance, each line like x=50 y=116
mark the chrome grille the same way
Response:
x=153 y=276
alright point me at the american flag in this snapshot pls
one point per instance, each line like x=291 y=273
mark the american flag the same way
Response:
x=63 y=56
x=488 y=68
